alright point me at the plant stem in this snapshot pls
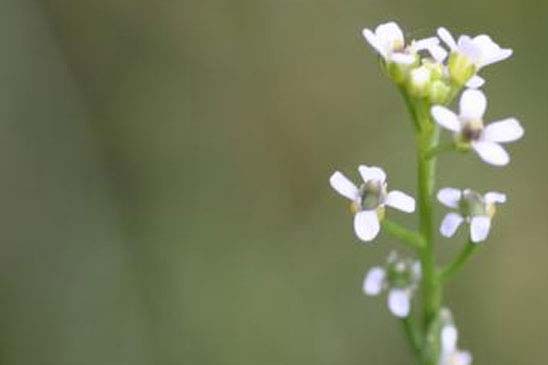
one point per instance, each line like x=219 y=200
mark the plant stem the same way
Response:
x=410 y=237
x=413 y=334
x=427 y=140
x=411 y=108
x=439 y=149
x=468 y=250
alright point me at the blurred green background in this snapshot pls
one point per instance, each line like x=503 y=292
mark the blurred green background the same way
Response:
x=165 y=194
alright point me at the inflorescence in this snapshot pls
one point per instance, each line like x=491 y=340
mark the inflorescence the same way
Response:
x=430 y=78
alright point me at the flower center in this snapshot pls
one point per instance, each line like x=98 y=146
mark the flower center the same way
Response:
x=472 y=204
x=372 y=193
x=401 y=273
x=398 y=46
x=471 y=130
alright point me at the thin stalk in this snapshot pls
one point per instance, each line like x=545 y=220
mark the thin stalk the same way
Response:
x=413 y=334
x=408 y=236
x=411 y=109
x=467 y=251
x=427 y=140
x=439 y=149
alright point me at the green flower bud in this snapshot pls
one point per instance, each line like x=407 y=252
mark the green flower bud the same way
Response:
x=438 y=92
x=400 y=72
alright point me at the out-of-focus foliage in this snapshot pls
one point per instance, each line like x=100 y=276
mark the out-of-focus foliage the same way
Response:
x=164 y=182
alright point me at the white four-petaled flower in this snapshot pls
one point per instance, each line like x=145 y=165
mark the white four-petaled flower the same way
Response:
x=400 y=278
x=450 y=354
x=469 y=129
x=389 y=42
x=369 y=199
x=481 y=50
x=473 y=208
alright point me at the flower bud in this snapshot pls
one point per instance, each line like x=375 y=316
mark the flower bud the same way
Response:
x=419 y=80
x=399 y=72
x=438 y=92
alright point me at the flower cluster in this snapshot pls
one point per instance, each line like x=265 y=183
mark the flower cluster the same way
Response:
x=431 y=73
x=440 y=73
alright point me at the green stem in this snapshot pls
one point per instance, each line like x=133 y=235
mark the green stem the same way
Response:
x=410 y=237
x=427 y=141
x=426 y=176
x=439 y=149
x=411 y=108
x=413 y=334
x=468 y=250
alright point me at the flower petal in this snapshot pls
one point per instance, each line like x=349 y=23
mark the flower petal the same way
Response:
x=506 y=130
x=479 y=228
x=491 y=152
x=366 y=225
x=399 y=200
x=344 y=186
x=450 y=224
x=438 y=53
x=446 y=37
x=446 y=118
x=495 y=197
x=490 y=51
x=472 y=104
x=402 y=58
x=475 y=82
x=399 y=302
x=470 y=49
x=462 y=358
x=372 y=173
x=449 y=337
x=390 y=34
x=374 y=281
x=425 y=43
x=372 y=39
x=501 y=55
x=449 y=197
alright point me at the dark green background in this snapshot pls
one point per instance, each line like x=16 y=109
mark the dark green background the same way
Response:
x=164 y=188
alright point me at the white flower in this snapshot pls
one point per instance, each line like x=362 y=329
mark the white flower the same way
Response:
x=473 y=208
x=389 y=42
x=469 y=55
x=469 y=130
x=369 y=199
x=480 y=50
x=400 y=278
x=450 y=354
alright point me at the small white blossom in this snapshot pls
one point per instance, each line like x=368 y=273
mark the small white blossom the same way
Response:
x=469 y=55
x=450 y=354
x=389 y=42
x=400 y=278
x=369 y=199
x=469 y=129
x=472 y=208
x=480 y=50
